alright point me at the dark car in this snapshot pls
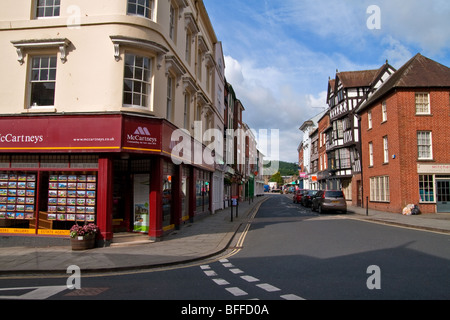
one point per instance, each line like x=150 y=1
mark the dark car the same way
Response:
x=307 y=197
x=329 y=200
x=297 y=198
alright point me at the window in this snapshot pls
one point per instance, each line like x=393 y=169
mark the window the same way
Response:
x=43 y=81
x=187 y=109
x=172 y=22
x=370 y=154
x=424 y=145
x=136 y=90
x=379 y=189
x=369 y=119
x=140 y=7
x=386 y=149
x=426 y=188
x=188 y=47
x=48 y=8
x=384 y=111
x=169 y=111
x=423 y=103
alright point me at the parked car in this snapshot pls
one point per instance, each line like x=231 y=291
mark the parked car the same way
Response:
x=307 y=197
x=329 y=200
x=297 y=198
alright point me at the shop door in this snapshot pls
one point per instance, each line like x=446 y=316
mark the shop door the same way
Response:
x=443 y=195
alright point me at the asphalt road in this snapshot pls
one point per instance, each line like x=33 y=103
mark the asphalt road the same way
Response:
x=288 y=253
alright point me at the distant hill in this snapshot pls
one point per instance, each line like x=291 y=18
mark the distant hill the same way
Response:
x=285 y=168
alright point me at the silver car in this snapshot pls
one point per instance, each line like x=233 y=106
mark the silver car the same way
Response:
x=329 y=200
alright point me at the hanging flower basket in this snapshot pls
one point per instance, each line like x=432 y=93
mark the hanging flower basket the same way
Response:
x=83 y=237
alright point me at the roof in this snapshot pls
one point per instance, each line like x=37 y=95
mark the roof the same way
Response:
x=419 y=72
x=355 y=79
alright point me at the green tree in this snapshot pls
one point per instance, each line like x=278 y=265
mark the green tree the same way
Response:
x=277 y=178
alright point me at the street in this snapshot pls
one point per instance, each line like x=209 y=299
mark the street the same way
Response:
x=288 y=253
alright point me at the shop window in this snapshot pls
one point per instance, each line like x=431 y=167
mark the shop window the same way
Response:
x=17 y=200
x=168 y=173
x=426 y=188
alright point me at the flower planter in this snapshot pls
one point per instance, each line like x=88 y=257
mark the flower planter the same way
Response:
x=80 y=243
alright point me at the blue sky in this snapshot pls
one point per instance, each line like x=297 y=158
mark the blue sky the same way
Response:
x=279 y=54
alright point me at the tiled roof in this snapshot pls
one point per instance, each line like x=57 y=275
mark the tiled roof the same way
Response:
x=419 y=72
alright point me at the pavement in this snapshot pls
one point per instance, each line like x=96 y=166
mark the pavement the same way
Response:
x=209 y=237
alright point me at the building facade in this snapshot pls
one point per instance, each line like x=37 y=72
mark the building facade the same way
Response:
x=345 y=93
x=405 y=140
x=94 y=93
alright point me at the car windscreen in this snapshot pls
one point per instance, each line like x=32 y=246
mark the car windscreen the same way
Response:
x=334 y=194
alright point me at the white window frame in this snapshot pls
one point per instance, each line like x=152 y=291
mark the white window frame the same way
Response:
x=385 y=149
x=370 y=154
x=147 y=7
x=187 y=110
x=380 y=189
x=145 y=96
x=45 y=6
x=172 y=22
x=426 y=188
x=369 y=119
x=422 y=107
x=170 y=97
x=426 y=136
x=48 y=79
x=384 y=112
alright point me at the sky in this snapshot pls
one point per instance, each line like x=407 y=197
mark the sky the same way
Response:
x=279 y=54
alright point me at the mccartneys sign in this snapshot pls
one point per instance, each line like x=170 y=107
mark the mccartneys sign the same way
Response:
x=10 y=138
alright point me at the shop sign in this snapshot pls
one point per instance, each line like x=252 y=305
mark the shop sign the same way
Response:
x=141 y=135
x=433 y=168
x=57 y=134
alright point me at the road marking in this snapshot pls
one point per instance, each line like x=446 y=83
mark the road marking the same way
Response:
x=249 y=278
x=36 y=293
x=204 y=267
x=291 y=297
x=236 y=291
x=221 y=282
x=268 y=287
x=236 y=271
x=210 y=273
x=228 y=265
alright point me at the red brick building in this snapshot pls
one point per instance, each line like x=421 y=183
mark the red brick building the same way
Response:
x=405 y=139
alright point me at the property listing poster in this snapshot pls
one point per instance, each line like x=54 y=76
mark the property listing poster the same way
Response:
x=141 y=202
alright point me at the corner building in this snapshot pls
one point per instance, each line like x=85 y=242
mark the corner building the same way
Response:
x=91 y=94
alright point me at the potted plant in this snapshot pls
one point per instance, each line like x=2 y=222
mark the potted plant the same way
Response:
x=83 y=237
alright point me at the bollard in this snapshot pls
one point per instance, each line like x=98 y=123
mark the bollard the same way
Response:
x=367 y=206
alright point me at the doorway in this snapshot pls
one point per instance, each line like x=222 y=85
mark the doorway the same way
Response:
x=443 y=195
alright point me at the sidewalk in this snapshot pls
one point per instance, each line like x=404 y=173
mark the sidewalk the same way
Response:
x=205 y=238
x=209 y=236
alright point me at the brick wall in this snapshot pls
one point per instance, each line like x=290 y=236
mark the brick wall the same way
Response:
x=401 y=129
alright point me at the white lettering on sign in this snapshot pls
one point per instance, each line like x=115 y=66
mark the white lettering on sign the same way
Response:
x=10 y=138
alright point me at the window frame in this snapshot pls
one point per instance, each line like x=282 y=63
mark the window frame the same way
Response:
x=369 y=120
x=149 y=10
x=170 y=97
x=416 y=95
x=429 y=145
x=427 y=193
x=53 y=6
x=370 y=154
x=383 y=111
x=31 y=81
x=148 y=83
x=385 y=149
x=380 y=189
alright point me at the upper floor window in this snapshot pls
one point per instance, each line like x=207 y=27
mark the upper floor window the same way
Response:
x=140 y=7
x=172 y=22
x=423 y=103
x=369 y=119
x=424 y=145
x=48 y=8
x=137 y=78
x=170 y=94
x=385 y=150
x=43 y=81
x=384 y=111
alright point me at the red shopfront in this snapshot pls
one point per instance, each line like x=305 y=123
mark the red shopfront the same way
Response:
x=111 y=169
